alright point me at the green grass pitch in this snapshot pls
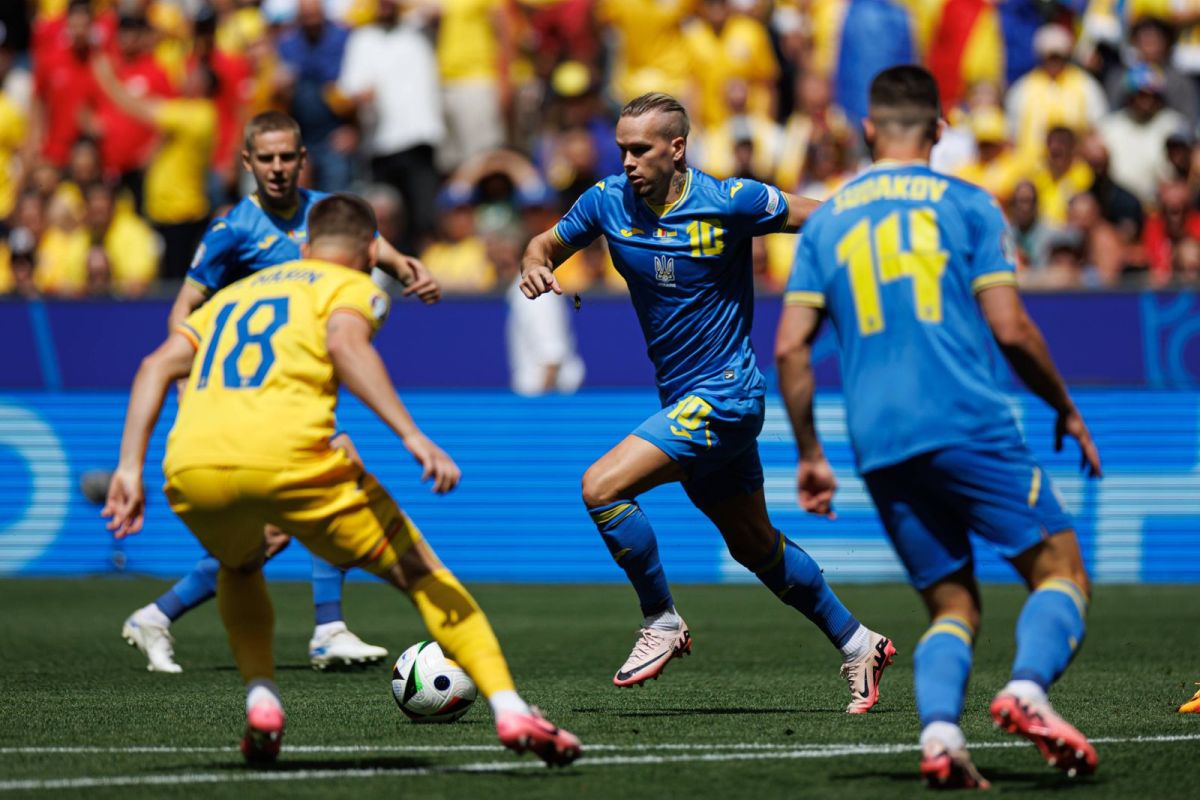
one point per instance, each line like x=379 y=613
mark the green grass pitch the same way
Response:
x=755 y=713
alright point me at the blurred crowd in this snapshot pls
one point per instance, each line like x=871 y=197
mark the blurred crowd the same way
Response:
x=472 y=124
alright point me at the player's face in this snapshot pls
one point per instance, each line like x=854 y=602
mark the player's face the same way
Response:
x=648 y=155
x=276 y=161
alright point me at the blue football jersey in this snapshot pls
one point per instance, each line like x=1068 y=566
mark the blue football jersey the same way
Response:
x=689 y=272
x=896 y=258
x=247 y=239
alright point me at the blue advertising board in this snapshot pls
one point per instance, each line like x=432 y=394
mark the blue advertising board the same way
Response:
x=517 y=515
x=1098 y=339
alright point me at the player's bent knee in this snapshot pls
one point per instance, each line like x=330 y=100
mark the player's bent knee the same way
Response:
x=599 y=490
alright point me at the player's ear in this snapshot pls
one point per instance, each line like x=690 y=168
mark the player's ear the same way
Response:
x=939 y=129
x=246 y=161
x=869 y=131
x=679 y=149
x=304 y=250
x=373 y=252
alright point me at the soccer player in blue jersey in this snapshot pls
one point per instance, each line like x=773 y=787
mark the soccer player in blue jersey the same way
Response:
x=265 y=229
x=681 y=239
x=902 y=260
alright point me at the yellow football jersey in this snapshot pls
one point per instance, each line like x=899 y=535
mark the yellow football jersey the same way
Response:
x=262 y=390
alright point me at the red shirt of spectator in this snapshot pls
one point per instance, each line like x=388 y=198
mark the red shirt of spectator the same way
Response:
x=1174 y=221
x=62 y=75
x=65 y=87
x=235 y=84
x=126 y=143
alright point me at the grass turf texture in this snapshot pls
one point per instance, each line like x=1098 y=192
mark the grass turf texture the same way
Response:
x=761 y=675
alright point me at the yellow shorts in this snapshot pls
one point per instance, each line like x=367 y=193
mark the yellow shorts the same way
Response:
x=335 y=508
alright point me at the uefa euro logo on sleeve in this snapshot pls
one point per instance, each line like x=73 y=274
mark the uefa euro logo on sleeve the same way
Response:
x=664 y=270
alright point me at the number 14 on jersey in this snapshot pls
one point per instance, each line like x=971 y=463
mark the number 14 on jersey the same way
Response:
x=872 y=254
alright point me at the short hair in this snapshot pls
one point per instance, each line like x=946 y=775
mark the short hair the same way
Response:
x=270 y=122
x=905 y=97
x=663 y=103
x=342 y=216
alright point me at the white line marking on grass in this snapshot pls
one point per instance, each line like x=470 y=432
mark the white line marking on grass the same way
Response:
x=494 y=748
x=717 y=753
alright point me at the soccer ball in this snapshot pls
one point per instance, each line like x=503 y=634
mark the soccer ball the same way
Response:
x=429 y=687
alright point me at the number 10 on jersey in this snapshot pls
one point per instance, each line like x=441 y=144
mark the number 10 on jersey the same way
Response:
x=924 y=262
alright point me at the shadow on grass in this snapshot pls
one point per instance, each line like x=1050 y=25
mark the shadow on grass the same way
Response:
x=1012 y=780
x=293 y=764
x=709 y=712
x=309 y=668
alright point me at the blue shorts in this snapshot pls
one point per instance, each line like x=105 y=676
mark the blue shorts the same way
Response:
x=715 y=440
x=929 y=503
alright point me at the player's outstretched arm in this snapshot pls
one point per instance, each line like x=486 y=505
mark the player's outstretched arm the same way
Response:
x=361 y=370
x=1023 y=346
x=799 y=210
x=815 y=482
x=413 y=275
x=126 y=502
x=542 y=256
x=188 y=300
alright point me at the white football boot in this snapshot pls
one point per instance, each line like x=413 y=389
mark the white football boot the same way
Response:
x=864 y=674
x=340 y=647
x=155 y=642
x=651 y=652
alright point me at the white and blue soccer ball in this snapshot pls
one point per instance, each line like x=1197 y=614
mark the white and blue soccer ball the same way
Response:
x=429 y=687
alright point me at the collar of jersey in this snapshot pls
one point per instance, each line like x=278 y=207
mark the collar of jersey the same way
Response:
x=896 y=163
x=662 y=211
x=254 y=199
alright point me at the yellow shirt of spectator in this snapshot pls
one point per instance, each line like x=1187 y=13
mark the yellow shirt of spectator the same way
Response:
x=62 y=261
x=132 y=251
x=1070 y=101
x=466 y=41
x=461 y=266
x=650 y=57
x=740 y=51
x=1055 y=195
x=999 y=176
x=261 y=357
x=12 y=137
x=176 y=177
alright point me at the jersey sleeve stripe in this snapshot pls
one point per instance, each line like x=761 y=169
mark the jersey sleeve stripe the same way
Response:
x=207 y=290
x=990 y=279
x=787 y=212
x=375 y=323
x=189 y=333
x=559 y=238
x=811 y=299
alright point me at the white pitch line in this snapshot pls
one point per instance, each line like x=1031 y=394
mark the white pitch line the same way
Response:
x=760 y=754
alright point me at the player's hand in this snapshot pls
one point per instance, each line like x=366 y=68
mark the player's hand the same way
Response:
x=1071 y=424
x=816 y=486
x=536 y=281
x=126 y=503
x=434 y=463
x=275 y=540
x=423 y=284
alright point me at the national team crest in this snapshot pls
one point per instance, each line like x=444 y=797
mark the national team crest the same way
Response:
x=664 y=270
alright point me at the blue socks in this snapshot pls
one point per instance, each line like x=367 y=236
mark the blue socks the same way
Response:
x=630 y=540
x=1049 y=631
x=941 y=666
x=192 y=589
x=327 y=583
x=200 y=585
x=796 y=579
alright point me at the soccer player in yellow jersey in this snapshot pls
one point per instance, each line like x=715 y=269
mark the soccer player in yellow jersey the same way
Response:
x=251 y=447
